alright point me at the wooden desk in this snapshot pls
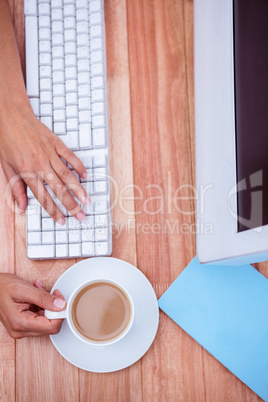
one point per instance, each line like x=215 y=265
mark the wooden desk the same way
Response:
x=150 y=80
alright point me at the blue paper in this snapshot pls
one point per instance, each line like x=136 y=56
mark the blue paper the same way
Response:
x=225 y=309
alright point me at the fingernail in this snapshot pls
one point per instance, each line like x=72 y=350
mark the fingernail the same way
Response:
x=84 y=175
x=61 y=221
x=85 y=200
x=59 y=303
x=40 y=283
x=80 y=216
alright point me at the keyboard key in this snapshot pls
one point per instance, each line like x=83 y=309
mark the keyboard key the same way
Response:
x=47 y=121
x=74 y=236
x=59 y=129
x=58 y=64
x=57 y=39
x=100 y=187
x=98 y=121
x=43 y=251
x=88 y=249
x=87 y=161
x=82 y=27
x=97 y=82
x=71 y=86
x=88 y=234
x=84 y=116
x=96 y=44
x=81 y=16
x=46 y=109
x=70 y=140
x=100 y=174
x=47 y=224
x=95 y=6
x=85 y=135
x=99 y=160
x=70 y=60
x=47 y=237
x=44 y=22
x=100 y=207
x=101 y=234
x=96 y=69
x=44 y=59
x=62 y=236
x=83 y=52
x=57 y=26
x=45 y=72
x=45 y=84
x=83 y=65
x=83 y=78
x=57 y=52
x=46 y=97
x=61 y=250
x=56 y=14
x=44 y=9
x=70 y=48
x=34 y=238
x=69 y=10
x=69 y=35
x=44 y=34
x=101 y=248
x=34 y=218
x=69 y=23
x=99 y=137
x=95 y=31
x=61 y=227
x=71 y=98
x=84 y=103
x=75 y=250
x=59 y=102
x=56 y=4
x=72 y=124
x=84 y=90
x=82 y=40
x=81 y=4
x=96 y=57
x=58 y=90
x=71 y=111
x=88 y=223
x=101 y=220
x=95 y=18
x=97 y=95
x=30 y=7
x=59 y=115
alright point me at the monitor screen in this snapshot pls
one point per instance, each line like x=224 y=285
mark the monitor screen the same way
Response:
x=251 y=111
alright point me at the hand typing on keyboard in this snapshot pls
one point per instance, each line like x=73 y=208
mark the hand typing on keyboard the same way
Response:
x=30 y=153
x=22 y=307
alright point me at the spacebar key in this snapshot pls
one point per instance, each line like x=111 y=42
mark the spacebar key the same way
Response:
x=31 y=45
x=43 y=251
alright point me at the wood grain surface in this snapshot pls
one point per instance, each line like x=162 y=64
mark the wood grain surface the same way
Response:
x=151 y=117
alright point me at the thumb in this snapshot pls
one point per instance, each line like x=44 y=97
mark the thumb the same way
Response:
x=45 y=300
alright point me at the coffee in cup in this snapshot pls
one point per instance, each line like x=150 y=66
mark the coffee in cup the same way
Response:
x=100 y=311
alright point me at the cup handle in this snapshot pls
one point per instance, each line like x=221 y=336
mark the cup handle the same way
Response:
x=55 y=315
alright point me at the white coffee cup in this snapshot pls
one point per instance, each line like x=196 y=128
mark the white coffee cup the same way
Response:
x=67 y=313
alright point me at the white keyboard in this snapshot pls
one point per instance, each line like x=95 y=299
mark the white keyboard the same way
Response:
x=67 y=87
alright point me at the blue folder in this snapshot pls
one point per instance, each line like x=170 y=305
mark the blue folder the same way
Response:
x=225 y=309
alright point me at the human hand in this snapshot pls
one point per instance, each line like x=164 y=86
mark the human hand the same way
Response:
x=22 y=307
x=30 y=153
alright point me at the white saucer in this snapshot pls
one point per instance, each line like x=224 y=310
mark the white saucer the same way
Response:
x=104 y=359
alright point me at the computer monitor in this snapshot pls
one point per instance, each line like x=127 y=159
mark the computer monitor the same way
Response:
x=231 y=123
